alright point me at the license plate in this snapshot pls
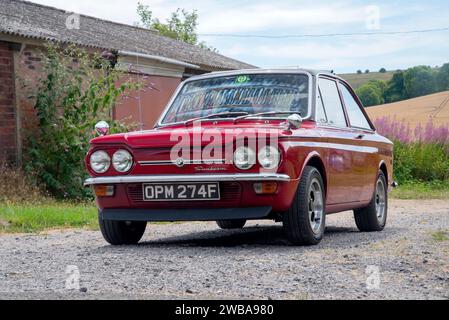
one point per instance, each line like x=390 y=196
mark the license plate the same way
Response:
x=181 y=191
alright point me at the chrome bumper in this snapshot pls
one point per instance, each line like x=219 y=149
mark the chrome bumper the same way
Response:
x=188 y=178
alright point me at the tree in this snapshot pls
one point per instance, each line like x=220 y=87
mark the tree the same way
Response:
x=359 y=71
x=383 y=70
x=443 y=78
x=419 y=81
x=395 y=88
x=369 y=95
x=366 y=71
x=182 y=25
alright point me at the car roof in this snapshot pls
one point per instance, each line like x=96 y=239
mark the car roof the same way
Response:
x=312 y=72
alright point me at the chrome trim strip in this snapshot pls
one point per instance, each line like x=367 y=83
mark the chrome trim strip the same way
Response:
x=189 y=178
x=186 y=162
x=329 y=145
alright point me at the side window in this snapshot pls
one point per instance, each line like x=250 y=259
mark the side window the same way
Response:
x=320 y=113
x=332 y=103
x=355 y=115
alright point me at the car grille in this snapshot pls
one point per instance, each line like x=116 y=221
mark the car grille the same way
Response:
x=230 y=195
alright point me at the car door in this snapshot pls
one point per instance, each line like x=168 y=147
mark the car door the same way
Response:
x=345 y=166
x=365 y=155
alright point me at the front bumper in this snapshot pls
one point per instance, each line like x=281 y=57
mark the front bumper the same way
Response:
x=237 y=193
x=198 y=214
x=189 y=178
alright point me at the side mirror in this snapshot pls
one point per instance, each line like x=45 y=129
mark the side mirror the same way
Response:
x=294 y=121
x=102 y=128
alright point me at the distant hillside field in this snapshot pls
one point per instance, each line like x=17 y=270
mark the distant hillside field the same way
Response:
x=418 y=110
x=357 y=80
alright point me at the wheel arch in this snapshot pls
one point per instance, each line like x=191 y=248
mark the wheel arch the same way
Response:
x=383 y=168
x=314 y=160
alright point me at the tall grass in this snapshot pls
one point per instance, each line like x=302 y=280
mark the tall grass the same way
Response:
x=25 y=208
x=421 y=153
x=16 y=187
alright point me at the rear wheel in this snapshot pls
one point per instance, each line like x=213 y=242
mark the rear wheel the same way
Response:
x=231 y=224
x=374 y=216
x=304 y=222
x=122 y=232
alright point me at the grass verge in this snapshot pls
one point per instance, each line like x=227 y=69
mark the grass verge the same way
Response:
x=421 y=191
x=33 y=218
x=29 y=217
x=440 y=236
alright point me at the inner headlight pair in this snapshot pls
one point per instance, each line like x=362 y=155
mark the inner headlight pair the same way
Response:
x=100 y=161
x=245 y=158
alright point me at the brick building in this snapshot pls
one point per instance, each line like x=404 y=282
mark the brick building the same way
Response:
x=25 y=28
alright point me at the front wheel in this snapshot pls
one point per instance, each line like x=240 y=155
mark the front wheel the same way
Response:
x=304 y=222
x=374 y=216
x=122 y=232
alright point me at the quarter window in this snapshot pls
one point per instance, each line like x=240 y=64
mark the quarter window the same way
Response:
x=320 y=113
x=332 y=102
x=355 y=114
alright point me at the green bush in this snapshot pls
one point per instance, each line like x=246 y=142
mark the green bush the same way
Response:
x=395 y=90
x=443 y=78
x=420 y=81
x=371 y=94
x=78 y=90
x=419 y=161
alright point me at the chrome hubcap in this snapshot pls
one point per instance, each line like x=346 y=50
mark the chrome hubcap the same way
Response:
x=380 y=201
x=315 y=206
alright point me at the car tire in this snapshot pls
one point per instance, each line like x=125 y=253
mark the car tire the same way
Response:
x=122 y=232
x=374 y=216
x=304 y=223
x=231 y=224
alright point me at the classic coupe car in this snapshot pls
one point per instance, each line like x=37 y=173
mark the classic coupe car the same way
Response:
x=287 y=145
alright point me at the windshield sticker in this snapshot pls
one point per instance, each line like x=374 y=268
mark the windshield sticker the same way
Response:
x=242 y=79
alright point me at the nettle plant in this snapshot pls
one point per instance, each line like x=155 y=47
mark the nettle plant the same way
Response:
x=79 y=89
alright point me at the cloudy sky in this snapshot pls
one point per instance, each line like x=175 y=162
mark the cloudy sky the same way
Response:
x=235 y=20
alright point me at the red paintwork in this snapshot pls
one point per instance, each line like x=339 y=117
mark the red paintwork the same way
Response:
x=350 y=175
x=350 y=165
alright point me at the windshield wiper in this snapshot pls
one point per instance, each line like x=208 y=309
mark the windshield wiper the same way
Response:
x=215 y=115
x=263 y=114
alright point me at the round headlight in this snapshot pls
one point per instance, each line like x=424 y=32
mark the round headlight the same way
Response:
x=244 y=158
x=122 y=161
x=100 y=161
x=269 y=157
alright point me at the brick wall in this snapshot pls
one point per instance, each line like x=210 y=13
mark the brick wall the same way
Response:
x=8 y=147
x=28 y=73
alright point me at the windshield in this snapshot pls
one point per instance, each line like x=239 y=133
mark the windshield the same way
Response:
x=252 y=94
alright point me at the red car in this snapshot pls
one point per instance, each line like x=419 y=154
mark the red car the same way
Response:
x=286 y=145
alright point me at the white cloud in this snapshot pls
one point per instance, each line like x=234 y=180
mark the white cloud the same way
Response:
x=299 y=17
x=344 y=54
x=269 y=17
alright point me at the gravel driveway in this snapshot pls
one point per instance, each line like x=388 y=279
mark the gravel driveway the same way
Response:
x=199 y=261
